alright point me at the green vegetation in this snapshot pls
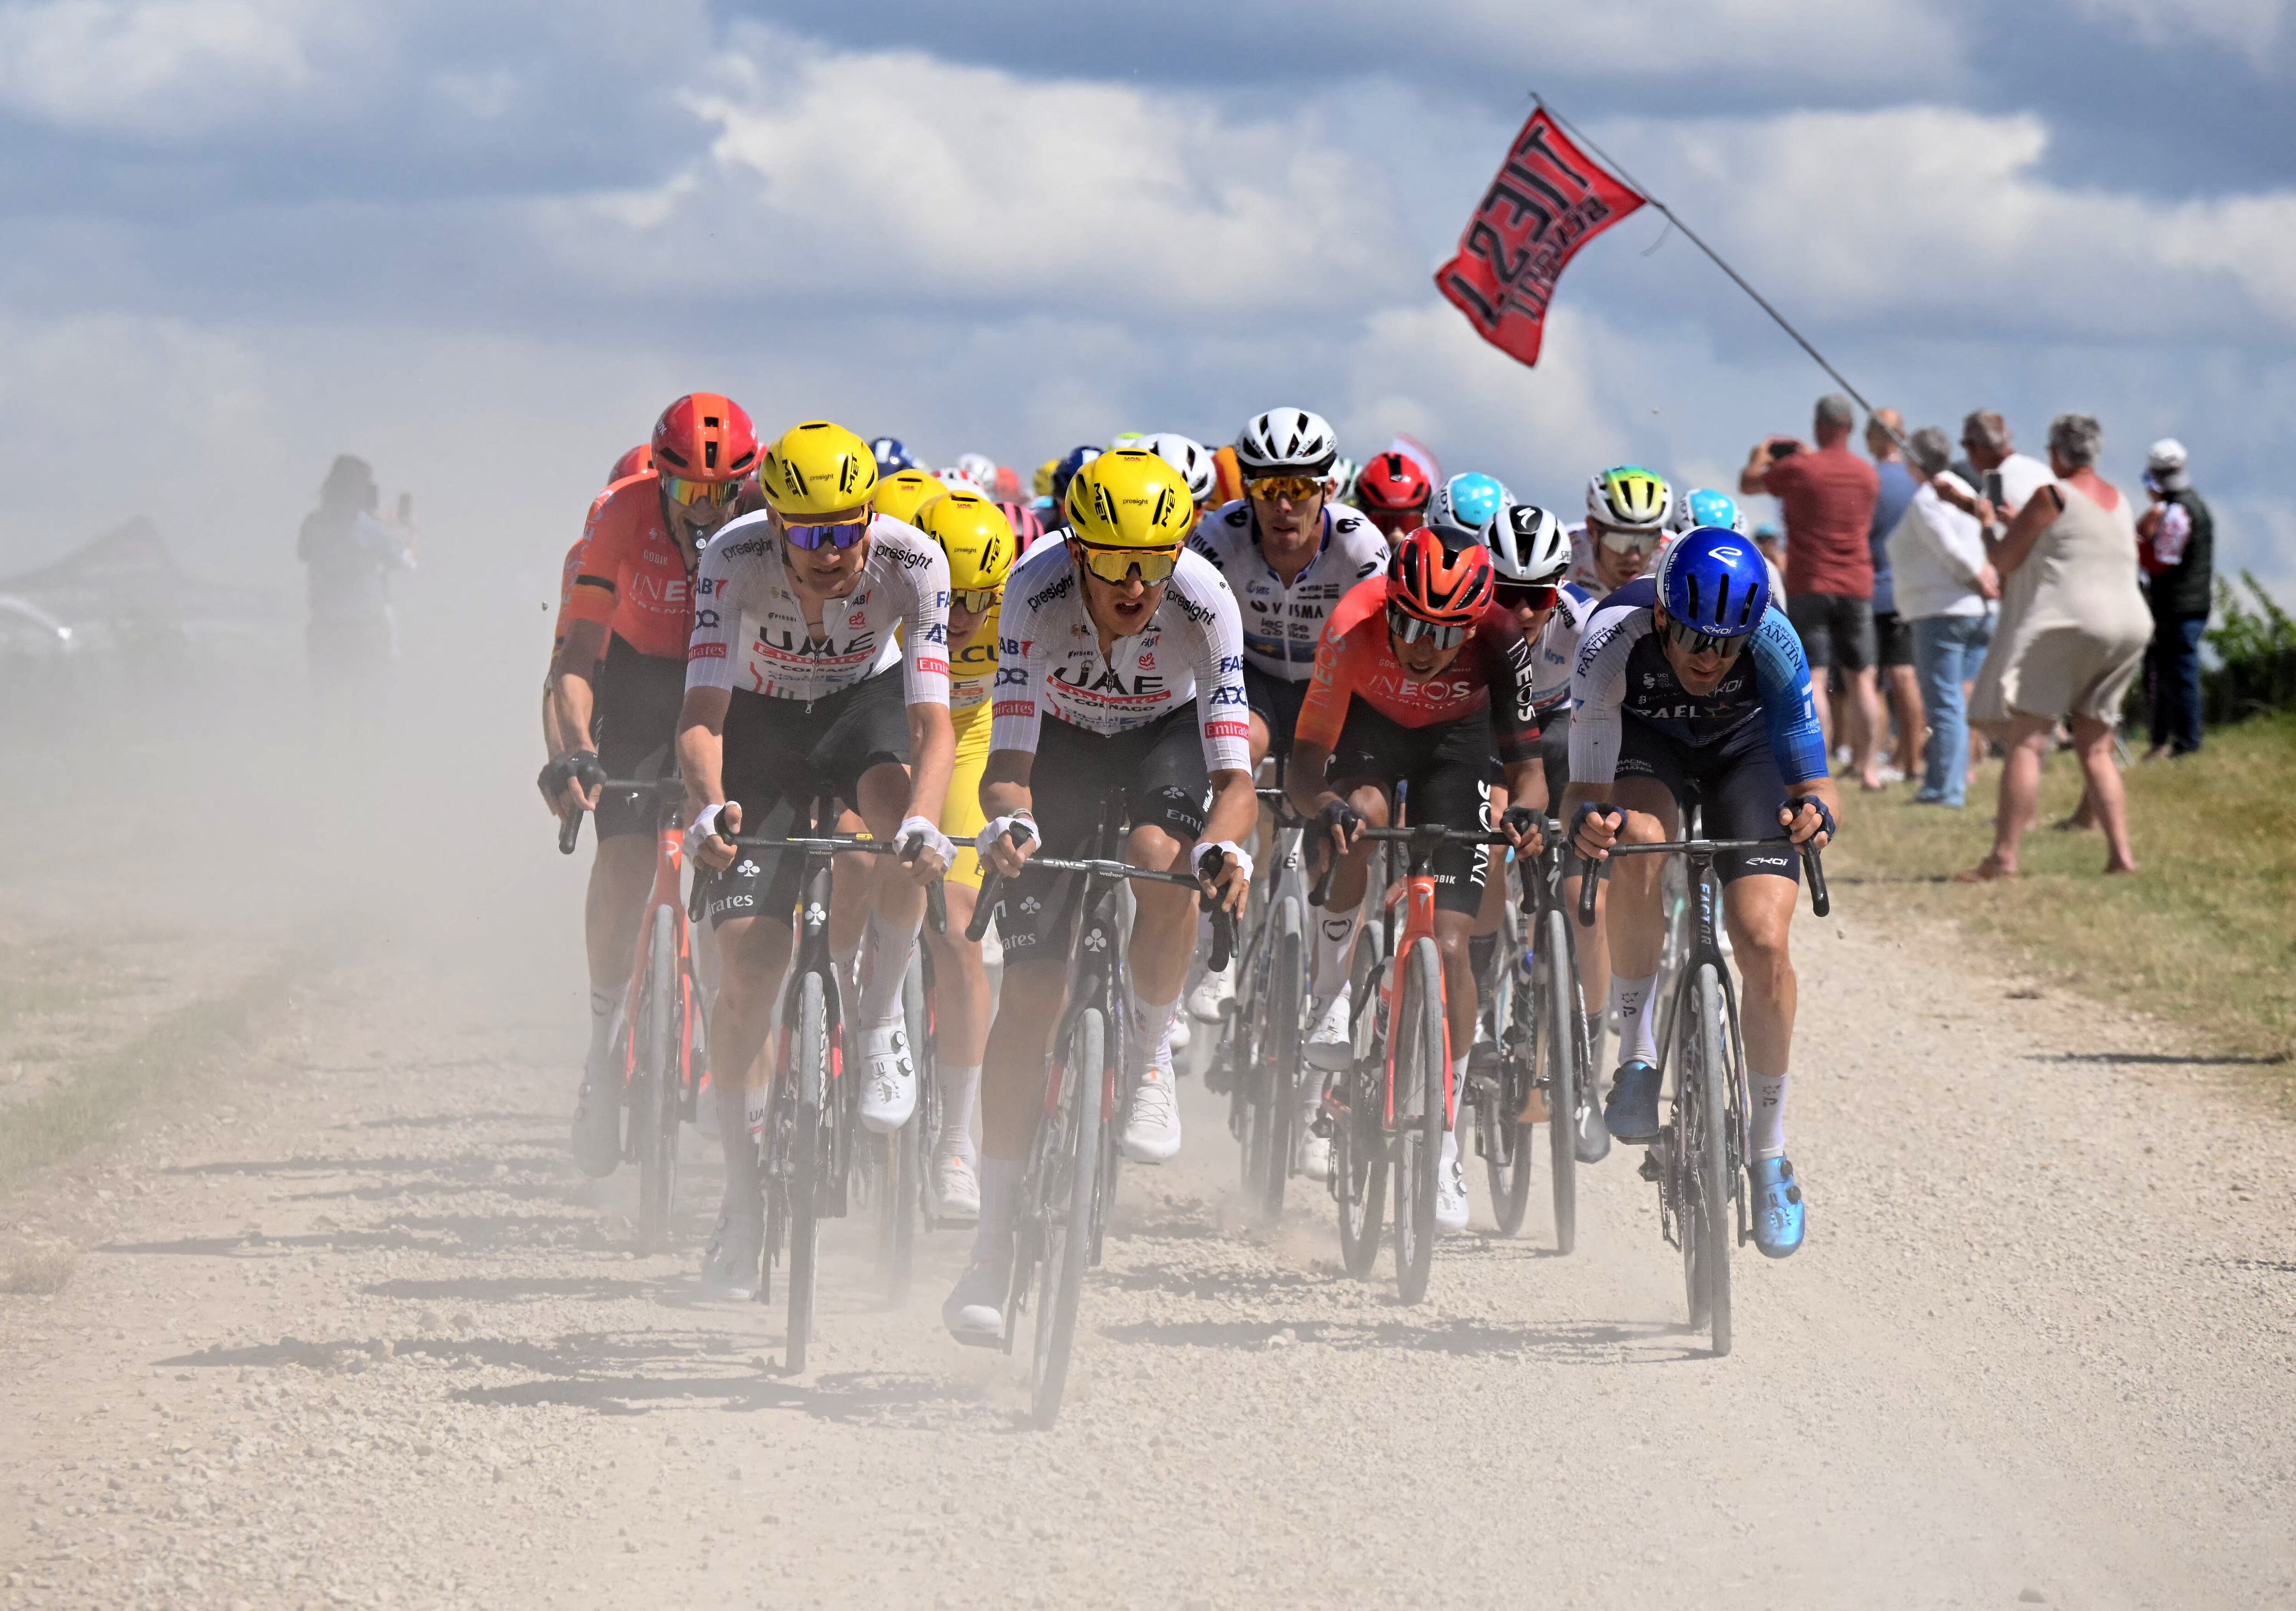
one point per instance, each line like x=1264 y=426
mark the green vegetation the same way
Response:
x=2205 y=934
x=2256 y=656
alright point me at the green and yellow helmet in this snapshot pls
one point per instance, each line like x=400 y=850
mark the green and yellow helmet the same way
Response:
x=1628 y=498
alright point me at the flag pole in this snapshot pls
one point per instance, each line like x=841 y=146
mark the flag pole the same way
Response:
x=1761 y=301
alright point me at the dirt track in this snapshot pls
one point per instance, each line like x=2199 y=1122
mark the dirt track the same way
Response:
x=353 y=1332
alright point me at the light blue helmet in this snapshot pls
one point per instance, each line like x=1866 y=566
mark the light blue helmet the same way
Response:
x=1462 y=507
x=1707 y=507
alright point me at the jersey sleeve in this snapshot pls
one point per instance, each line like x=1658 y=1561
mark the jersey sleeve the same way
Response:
x=1223 y=713
x=1511 y=673
x=1016 y=709
x=924 y=620
x=717 y=619
x=1782 y=682
x=568 y=576
x=597 y=580
x=1323 y=709
x=1598 y=687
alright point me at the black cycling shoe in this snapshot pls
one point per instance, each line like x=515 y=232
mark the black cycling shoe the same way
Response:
x=729 y=1269
x=598 y=1129
x=1630 y=1112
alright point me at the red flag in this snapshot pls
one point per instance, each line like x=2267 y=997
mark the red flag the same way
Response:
x=1549 y=200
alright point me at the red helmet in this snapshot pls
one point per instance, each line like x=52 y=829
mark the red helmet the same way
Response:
x=1393 y=483
x=1436 y=584
x=637 y=461
x=703 y=437
x=1025 y=524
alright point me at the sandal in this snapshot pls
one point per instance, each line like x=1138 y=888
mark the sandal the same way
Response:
x=1988 y=871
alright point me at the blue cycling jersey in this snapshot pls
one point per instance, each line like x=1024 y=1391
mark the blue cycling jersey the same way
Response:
x=1622 y=672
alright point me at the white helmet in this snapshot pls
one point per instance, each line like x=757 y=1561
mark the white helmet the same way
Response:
x=1527 y=543
x=1190 y=457
x=1344 y=470
x=1285 y=442
x=957 y=476
x=979 y=468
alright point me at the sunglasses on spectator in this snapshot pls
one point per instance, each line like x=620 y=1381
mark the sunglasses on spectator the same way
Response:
x=1527 y=596
x=843 y=534
x=1645 y=543
x=975 y=601
x=1116 y=565
x=1690 y=640
x=1298 y=489
x=685 y=494
x=1409 y=628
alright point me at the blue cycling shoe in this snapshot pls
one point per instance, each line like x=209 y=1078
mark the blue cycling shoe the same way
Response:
x=1630 y=1112
x=1778 y=1208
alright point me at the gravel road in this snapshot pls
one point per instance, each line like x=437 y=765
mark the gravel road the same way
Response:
x=350 y=1330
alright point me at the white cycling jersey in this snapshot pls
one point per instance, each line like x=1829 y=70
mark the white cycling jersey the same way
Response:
x=1048 y=660
x=749 y=629
x=1282 y=625
x=1557 y=650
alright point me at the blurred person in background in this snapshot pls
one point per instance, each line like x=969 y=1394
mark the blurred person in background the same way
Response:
x=1893 y=638
x=2004 y=480
x=1772 y=544
x=1826 y=494
x=2073 y=631
x=1944 y=591
x=351 y=551
x=2179 y=556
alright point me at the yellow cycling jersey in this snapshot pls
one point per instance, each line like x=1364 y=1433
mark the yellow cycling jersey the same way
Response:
x=974 y=668
x=971 y=671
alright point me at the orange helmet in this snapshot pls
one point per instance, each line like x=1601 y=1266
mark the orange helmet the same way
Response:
x=637 y=461
x=703 y=437
x=1427 y=580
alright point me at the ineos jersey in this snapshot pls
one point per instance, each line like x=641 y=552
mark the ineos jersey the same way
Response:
x=749 y=629
x=1048 y=660
x=1487 y=681
x=1622 y=673
x=1282 y=625
x=1556 y=653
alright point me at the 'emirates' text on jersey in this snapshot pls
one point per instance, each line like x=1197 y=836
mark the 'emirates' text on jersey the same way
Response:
x=1048 y=660
x=749 y=629
x=1282 y=625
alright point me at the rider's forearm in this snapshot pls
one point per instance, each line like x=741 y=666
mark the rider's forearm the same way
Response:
x=932 y=750
x=702 y=748
x=1005 y=784
x=575 y=700
x=1303 y=781
x=1526 y=784
x=1235 y=809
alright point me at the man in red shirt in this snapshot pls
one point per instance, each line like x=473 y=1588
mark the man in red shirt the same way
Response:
x=1827 y=495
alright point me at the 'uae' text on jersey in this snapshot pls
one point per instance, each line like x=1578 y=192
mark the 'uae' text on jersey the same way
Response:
x=1282 y=625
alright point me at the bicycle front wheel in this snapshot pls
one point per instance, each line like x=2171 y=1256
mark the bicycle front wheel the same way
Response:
x=1500 y=1092
x=809 y=1160
x=657 y=1103
x=1706 y=1228
x=1066 y=1203
x=1359 y=1141
x=1278 y=1043
x=1417 y=1032
x=1558 y=1051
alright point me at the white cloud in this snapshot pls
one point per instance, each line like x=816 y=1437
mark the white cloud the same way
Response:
x=1885 y=43
x=154 y=66
x=2253 y=27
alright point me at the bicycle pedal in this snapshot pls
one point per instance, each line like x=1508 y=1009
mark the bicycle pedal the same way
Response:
x=1650 y=1170
x=1320 y=1125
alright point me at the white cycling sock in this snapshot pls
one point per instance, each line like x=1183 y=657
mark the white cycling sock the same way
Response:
x=992 y=1235
x=1335 y=937
x=1150 y=1045
x=890 y=947
x=963 y=1086
x=1766 y=1122
x=1633 y=1003
x=1458 y=1103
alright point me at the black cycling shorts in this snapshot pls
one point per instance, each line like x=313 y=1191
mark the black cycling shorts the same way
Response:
x=1275 y=703
x=1446 y=769
x=780 y=754
x=1835 y=629
x=634 y=721
x=1160 y=768
x=1738 y=783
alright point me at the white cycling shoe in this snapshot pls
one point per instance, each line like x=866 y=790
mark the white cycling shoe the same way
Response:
x=1212 y=994
x=955 y=1190
x=1316 y=1156
x=1450 y=1189
x=1152 y=1134
x=1178 y=1038
x=1330 y=1043
x=974 y=1312
x=888 y=1077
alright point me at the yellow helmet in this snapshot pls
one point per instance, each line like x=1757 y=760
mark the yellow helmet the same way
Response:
x=1128 y=498
x=975 y=535
x=817 y=468
x=902 y=494
x=1045 y=477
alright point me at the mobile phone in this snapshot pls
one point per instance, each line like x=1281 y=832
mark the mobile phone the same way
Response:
x=1781 y=448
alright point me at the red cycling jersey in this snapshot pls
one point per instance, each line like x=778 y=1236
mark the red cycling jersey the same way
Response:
x=632 y=577
x=567 y=577
x=1355 y=659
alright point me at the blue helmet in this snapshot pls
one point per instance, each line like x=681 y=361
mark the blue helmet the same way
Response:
x=1063 y=472
x=1707 y=507
x=1462 y=507
x=1715 y=581
x=893 y=457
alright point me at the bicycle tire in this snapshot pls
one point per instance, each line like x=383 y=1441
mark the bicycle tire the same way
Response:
x=1067 y=1208
x=1559 y=1026
x=1358 y=1141
x=1418 y=1117
x=808 y=1172
x=661 y=1100
x=904 y=1162
x=1278 y=1043
x=1713 y=1225
x=1500 y=1136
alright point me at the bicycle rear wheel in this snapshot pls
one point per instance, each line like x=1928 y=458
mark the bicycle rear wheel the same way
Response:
x=1417 y=1031
x=1073 y=1163
x=809 y=1160
x=1359 y=1140
x=901 y=1165
x=1277 y=1085
x=657 y=1102
x=1706 y=1228
x=1500 y=1091
x=1558 y=1051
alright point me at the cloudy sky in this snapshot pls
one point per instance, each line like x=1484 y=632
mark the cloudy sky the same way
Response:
x=483 y=244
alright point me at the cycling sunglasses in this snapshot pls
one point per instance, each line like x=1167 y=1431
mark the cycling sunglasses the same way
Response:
x=1298 y=489
x=1116 y=565
x=844 y=534
x=1690 y=640
x=685 y=494
x=1527 y=596
x=1645 y=543
x=1409 y=628
x=975 y=601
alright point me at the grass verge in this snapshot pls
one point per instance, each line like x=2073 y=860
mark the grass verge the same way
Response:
x=2205 y=934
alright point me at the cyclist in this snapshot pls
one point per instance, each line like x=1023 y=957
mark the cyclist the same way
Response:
x=1628 y=508
x=1289 y=554
x=900 y=495
x=980 y=547
x=1120 y=658
x=1463 y=505
x=892 y=456
x=554 y=741
x=623 y=665
x=1193 y=461
x=1420 y=677
x=1668 y=696
x=1027 y=526
x=792 y=686
x=1705 y=506
x=1393 y=491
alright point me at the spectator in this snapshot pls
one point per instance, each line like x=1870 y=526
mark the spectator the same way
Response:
x=351 y=551
x=1826 y=494
x=1773 y=547
x=2180 y=561
x=2073 y=629
x=1944 y=589
x=2008 y=477
x=1893 y=640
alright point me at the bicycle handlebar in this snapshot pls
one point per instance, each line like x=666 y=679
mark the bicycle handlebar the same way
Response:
x=992 y=882
x=570 y=820
x=1821 y=902
x=1429 y=834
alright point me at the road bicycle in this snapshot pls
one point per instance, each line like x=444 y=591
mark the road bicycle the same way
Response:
x=660 y=1027
x=1698 y=1161
x=1394 y=1104
x=1068 y=1188
x=1258 y=1063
